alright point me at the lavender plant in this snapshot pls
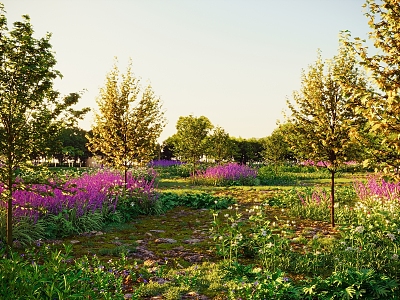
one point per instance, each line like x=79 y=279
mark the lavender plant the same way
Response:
x=227 y=175
x=83 y=203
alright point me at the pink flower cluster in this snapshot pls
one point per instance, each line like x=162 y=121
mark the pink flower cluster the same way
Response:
x=228 y=172
x=379 y=188
x=317 y=197
x=87 y=193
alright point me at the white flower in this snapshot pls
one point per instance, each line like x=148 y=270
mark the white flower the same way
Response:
x=359 y=229
x=395 y=256
x=263 y=232
x=391 y=236
x=226 y=215
x=348 y=249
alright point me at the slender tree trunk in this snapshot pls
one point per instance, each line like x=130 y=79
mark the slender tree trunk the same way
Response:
x=9 y=206
x=333 y=198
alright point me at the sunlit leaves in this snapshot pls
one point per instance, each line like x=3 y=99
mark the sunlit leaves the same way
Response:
x=128 y=122
x=382 y=103
x=322 y=114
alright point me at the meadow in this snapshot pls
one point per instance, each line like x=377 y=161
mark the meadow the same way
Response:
x=230 y=232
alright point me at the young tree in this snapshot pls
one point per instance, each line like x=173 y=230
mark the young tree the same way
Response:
x=168 y=148
x=220 y=145
x=28 y=104
x=322 y=116
x=191 y=138
x=128 y=123
x=276 y=147
x=381 y=104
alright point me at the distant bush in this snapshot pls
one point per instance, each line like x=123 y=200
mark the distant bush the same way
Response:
x=227 y=175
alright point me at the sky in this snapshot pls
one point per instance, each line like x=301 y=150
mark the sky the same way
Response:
x=234 y=61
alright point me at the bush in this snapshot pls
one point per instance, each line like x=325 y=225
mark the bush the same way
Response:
x=227 y=175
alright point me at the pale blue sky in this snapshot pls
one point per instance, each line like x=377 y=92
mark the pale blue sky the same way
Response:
x=233 y=61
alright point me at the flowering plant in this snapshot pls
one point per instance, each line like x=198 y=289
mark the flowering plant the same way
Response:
x=228 y=174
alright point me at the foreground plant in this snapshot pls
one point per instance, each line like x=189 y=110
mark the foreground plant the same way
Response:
x=83 y=203
x=53 y=274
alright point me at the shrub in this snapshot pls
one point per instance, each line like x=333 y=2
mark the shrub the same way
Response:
x=227 y=175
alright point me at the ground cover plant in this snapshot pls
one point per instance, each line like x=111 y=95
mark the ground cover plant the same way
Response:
x=231 y=243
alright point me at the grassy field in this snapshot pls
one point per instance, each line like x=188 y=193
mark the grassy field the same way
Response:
x=266 y=244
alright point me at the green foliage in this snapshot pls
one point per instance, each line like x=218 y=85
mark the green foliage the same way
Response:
x=31 y=110
x=67 y=223
x=322 y=114
x=220 y=145
x=49 y=274
x=313 y=203
x=72 y=141
x=266 y=285
x=273 y=175
x=195 y=200
x=175 y=171
x=247 y=151
x=353 y=284
x=276 y=148
x=381 y=104
x=138 y=203
x=25 y=231
x=191 y=138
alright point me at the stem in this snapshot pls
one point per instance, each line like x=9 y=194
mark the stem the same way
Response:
x=333 y=198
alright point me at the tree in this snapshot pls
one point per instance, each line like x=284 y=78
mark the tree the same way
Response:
x=128 y=123
x=276 y=147
x=247 y=150
x=30 y=109
x=191 y=141
x=168 y=148
x=381 y=104
x=73 y=144
x=322 y=115
x=220 y=145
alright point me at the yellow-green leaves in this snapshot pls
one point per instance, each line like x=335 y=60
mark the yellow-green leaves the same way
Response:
x=381 y=101
x=128 y=123
x=322 y=114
